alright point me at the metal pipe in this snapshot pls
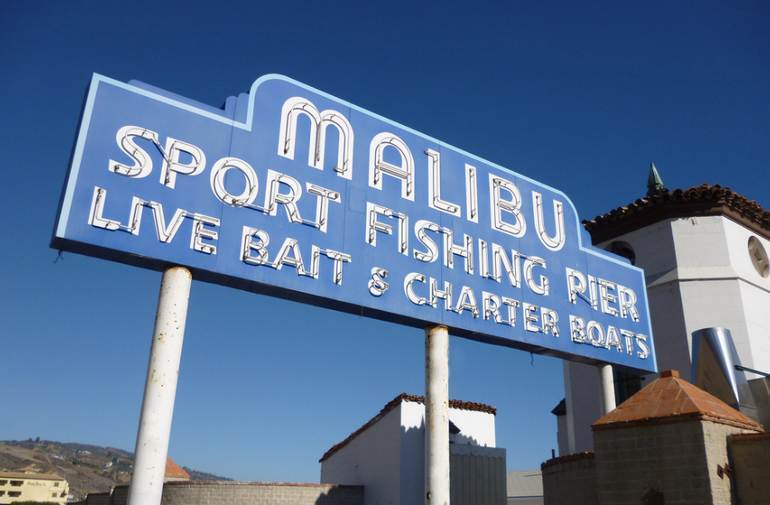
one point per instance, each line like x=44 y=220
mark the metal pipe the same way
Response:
x=608 y=388
x=437 y=415
x=742 y=368
x=569 y=398
x=160 y=389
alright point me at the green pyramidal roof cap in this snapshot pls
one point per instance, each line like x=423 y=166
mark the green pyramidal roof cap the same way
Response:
x=654 y=181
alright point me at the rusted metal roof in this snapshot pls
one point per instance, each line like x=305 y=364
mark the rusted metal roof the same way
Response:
x=174 y=471
x=670 y=399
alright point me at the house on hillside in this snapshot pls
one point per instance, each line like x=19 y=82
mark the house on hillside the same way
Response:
x=32 y=487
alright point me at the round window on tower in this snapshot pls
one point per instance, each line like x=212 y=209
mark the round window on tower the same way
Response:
x=758 y=256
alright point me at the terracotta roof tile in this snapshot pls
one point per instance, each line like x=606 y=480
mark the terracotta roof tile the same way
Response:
x=670 y=398
x=453 y=404
x=405 y=397
x=566 y=459
x=703 y=200
x=174 y=471
x=749 y=437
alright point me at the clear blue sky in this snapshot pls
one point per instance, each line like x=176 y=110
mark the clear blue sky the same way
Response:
x=580 y=97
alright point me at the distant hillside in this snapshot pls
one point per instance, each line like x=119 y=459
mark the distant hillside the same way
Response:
x=87 y=468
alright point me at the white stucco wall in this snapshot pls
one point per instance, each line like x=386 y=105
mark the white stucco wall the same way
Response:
x=756 y=305
x=710 y=303
x=412 y=453
x=672 y=350
x=561 y=435
x=721 y=287
x=372 y=459
x=738 y=237
x=755 y=294
x=699 y=274
x=476 y=428
x=583 y=389
x=388 y=458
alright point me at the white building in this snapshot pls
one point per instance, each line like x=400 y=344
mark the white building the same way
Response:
x=704 y=253
x=525 y=487
x=386 y=455
x=32 y=487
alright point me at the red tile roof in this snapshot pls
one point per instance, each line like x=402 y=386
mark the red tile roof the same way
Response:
x=670 y=398
x=703 y=200
x=405 y=397
x=174 y=471
x=566 y=459
x=749 y=437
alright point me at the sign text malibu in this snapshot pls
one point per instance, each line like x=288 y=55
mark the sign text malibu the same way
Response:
x=292 y=192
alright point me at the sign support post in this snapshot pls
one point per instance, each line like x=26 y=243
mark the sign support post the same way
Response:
x=437 y=415
x=160 y=389
x=608 y=388
x=368 y=224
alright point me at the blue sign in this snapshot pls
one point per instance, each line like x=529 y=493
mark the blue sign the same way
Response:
x=292 y=192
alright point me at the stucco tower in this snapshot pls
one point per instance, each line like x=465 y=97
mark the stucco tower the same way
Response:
x=705 y=255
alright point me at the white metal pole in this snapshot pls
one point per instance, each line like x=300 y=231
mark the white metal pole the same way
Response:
x=569 y=396
x=437 y=416
x=160 y=389
x=608 y=388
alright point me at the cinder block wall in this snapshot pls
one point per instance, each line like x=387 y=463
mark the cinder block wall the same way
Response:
x=98 y=499
x=253 y=493
x=663 y=462
x=715 y=440
x=653 y=463
x=119 y=495
x=750 y=462
x=570 y=480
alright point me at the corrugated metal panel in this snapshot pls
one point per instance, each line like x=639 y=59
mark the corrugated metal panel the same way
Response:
x=477 y=475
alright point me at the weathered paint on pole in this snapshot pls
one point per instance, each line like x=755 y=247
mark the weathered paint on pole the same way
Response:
x=437 y=415
x=608 y=388
x=160 y=389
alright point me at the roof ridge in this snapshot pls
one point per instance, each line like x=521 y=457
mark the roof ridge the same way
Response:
x=702 y=200
x=402 y=397
x=567 y=459
x=701 y=402
x=670 y=398
x=453 y=404
x=173 y=470
x=30 y=475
